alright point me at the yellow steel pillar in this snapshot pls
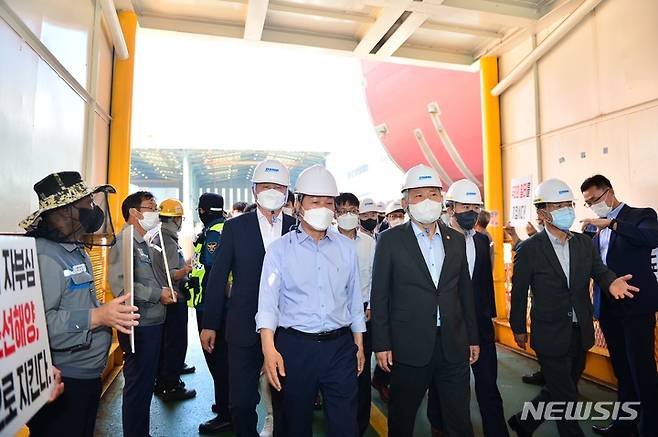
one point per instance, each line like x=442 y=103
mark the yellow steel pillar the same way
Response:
x=493 y=172
x=122 y=100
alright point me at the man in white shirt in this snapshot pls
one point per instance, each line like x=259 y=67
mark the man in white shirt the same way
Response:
x=347 y=216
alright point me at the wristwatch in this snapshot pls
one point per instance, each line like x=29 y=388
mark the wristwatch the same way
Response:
x=613 y=224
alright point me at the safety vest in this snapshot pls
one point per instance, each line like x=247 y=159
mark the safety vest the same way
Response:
x=195 y=288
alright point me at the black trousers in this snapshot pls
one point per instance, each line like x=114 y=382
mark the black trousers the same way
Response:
x=217 y=363
x=562 y=374
x=409 y=385
x=72 y=414
x=365 y=392
x=139 y=370
x=174 y=345
x=631 y=343
x=329 y=366
x=490 y=403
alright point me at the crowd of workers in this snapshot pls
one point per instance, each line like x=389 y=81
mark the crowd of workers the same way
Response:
x=294 y=294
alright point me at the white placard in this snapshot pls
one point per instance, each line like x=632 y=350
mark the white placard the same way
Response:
x=25 y=365
x=127 y=258
x=521 y=201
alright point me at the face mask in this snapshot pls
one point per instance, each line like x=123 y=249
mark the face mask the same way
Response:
x=318 y=218
x=395 y=222
x=369 y=225
x=466 y=220
x=601 y=209
x=271 y=199
x=150 y=220
x=288 y=211
x=91 y=219
x=426 y=212
x=348 y=221
x=563 y=218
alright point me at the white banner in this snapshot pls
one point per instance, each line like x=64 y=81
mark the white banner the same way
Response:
x=25 y=365
x=521 y=201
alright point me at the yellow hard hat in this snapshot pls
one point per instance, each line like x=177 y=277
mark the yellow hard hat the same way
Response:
x=171 y=208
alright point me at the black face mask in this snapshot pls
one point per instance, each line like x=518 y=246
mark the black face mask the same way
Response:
x=466 y=220
x=208 y=216
x=369 y=225
x=91 y=219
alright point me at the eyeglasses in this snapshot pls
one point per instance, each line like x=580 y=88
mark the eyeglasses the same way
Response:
x=342 y=211
x=148 y=208
x=589 y=203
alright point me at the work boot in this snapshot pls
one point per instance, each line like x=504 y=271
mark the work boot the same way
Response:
x=536 y=378
x=216 y=425
x=177 y=393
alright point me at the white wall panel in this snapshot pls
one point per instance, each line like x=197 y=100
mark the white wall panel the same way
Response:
x=64 y=26
x=41 y=126
x=627 y=51
x=517 y=103
x=643 y=157
x=568 y=85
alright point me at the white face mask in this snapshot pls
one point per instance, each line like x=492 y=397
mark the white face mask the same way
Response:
x=395 y=222
x=348 y=221
x=288 y=211
x=426 y=212
x=318 y=218
x=601 y=209
x=271 y=199
x=150 y=220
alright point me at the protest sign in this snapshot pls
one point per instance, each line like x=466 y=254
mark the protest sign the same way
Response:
x=521 y=201
x=25 y=365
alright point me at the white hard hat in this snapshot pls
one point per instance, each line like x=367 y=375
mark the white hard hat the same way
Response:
x=367 y=205
x=553 y=191
x=316 y=181
x=271 y=171
x=381 y=206
x=395 y=205
x=464 y=191
x=421 y=176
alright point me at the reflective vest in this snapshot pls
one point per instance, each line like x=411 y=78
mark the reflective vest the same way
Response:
x=194 y=286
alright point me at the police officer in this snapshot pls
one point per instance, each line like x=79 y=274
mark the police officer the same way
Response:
x=169 y=386
x=311 y=297
x=464 y=203
x=140 y=210
x=78 y=325
x=212 y=215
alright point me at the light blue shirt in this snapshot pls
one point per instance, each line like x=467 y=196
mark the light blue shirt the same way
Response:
x=434 y=254
x=470 y=250
x=604 y=235
x=310 y=286
x=562 y=251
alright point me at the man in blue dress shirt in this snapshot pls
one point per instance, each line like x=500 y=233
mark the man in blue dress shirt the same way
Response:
x=310 y=314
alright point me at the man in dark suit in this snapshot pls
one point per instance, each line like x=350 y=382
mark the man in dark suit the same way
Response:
x=240 y=253
x=625 y=238
x=558 y=264
x=423 y=316
x=464 y=203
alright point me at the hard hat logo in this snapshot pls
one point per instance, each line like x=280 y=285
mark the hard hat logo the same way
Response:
x=271 y=170
x=420 y=178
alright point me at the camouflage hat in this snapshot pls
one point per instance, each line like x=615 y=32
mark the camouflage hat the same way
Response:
x=60 y=189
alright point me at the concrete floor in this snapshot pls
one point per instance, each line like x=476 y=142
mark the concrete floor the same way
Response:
x=183 y=418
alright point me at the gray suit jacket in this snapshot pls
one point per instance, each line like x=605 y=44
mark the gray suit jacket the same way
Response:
x=536 y=266
x=404 y=299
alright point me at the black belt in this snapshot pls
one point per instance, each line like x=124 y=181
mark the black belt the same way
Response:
x=319 y=336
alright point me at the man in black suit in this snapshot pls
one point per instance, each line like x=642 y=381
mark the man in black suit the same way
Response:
x=240 y=253
x=424 y=328
x=464 y=203
x=558 y=264
x=625 y=238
